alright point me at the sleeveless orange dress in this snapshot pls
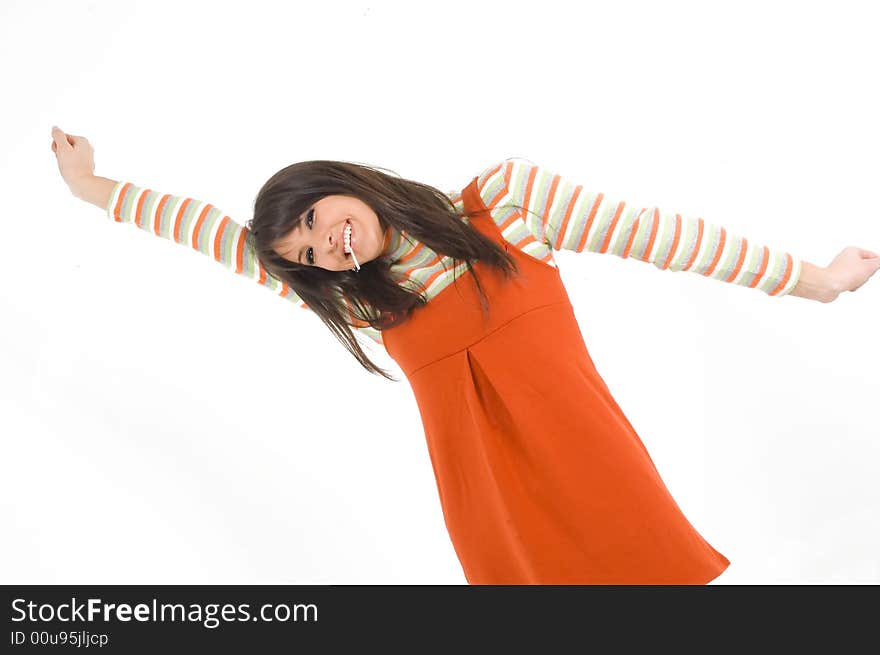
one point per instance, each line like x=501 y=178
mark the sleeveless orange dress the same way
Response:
x=541 y=477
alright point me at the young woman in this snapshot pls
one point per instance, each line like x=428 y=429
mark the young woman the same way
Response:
x=542 y=479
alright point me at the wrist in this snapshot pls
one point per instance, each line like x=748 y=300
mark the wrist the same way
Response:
x=833 y=283
x=93 y=189
x=817 y=283
x=79 y=185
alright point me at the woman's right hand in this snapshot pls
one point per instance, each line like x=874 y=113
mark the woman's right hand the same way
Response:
x=853 y=267
x=76 y=158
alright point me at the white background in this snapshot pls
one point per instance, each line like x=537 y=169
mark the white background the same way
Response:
x=165 y=421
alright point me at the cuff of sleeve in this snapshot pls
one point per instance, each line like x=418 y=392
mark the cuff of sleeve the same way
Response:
x=793 y=278
x=114 y=205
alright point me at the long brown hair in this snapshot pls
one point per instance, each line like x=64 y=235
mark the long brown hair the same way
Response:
x=376 y=298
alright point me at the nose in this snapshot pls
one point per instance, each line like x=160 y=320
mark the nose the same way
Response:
x=333 y=242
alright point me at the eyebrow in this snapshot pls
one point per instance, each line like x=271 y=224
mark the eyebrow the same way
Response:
x=298 y=226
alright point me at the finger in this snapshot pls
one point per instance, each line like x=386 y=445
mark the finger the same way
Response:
x=59 y=137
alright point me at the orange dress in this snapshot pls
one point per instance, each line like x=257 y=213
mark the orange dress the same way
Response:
x=536 y=487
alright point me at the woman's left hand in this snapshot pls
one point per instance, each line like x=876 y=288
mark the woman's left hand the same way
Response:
x=852 y=268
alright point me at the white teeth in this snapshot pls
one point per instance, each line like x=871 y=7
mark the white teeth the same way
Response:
x=346 y=242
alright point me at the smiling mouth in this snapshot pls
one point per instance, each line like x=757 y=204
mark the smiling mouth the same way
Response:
x=347 y=232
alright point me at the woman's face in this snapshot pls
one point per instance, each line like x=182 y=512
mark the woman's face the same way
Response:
x=318 y=238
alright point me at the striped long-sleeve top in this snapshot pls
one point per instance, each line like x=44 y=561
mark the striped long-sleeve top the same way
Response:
x=559 y=215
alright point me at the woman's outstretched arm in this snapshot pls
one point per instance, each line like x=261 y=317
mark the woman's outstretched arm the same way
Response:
x=196 y=224
x=184 y=220
x=187 y=221
x=562 y=215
